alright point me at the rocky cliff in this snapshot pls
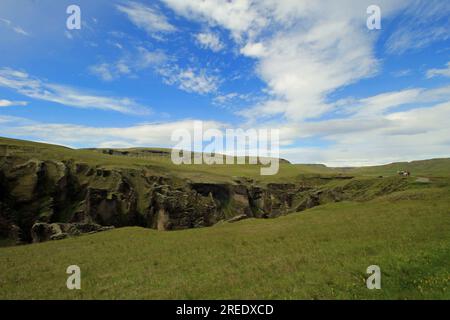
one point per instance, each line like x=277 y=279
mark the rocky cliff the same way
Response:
x=44 y=191
x=52 y=191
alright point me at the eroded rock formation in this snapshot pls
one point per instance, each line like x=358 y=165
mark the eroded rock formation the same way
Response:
x=41 y=231
x=45 y=199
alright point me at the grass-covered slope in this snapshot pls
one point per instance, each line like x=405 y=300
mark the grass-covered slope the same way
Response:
x=155 y=159
x=158 y=160
x=319 y=253
x=361 y=217
x=430 y=168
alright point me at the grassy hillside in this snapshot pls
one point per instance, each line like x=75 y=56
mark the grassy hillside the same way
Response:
x=318 y=254
x=400 y=224
x=430 y=168
x=159 y=162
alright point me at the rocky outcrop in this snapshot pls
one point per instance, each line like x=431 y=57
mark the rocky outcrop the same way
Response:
x=47 y=199
x=41 y=232
x=238 y=218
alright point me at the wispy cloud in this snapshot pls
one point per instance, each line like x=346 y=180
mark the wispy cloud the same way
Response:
x=110 y=72
x=209 y=40
x=233 y=101
x=445 y=72
x=240 y=17
x=129 y=64
x=148 y=18
x=194 y=79
x=223 y=99
x=424 y=23
x=19 y=30
x=16 y=29
x=402 y=73
x=365 y=138
x=415 y=134
x=190 y=79
x=145 y=134
x=394 y=126
x=304 y=50
x=38 y=89
x=368 y=139
x=9 y=103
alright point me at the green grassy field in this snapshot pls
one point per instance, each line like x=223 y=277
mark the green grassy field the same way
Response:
x=321 y=253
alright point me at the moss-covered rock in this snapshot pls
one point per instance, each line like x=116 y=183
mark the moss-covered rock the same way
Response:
x=38 y=188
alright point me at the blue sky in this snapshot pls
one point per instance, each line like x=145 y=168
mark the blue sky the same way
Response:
x=341 y=94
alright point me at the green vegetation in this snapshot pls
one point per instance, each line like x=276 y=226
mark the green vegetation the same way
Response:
x=431 y=168
x=317 y=254
x=160 y=163
x=399 y=224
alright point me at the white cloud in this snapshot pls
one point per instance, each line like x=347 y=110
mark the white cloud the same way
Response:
x=301 y=69
x=146 y=134
x=145 y=58
x=424 y=23
x=445 y=72
x=383 y=102
x=368 y=114
x=377 y=132
x=146 y=18
x=105 y=71
x=190 y=79
x=65 y=95
x=129 y=64
x=209 y=40
x=5 y=21
x=9 y=103
x=232 y=100
x=305 y=50
x=237 y=16
x=110 y=72
x=419 y=133
x=402 y=73
x=16 y=29
x=365 y=138
x=254 y=50
x=19 y=30
x=224 y=98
